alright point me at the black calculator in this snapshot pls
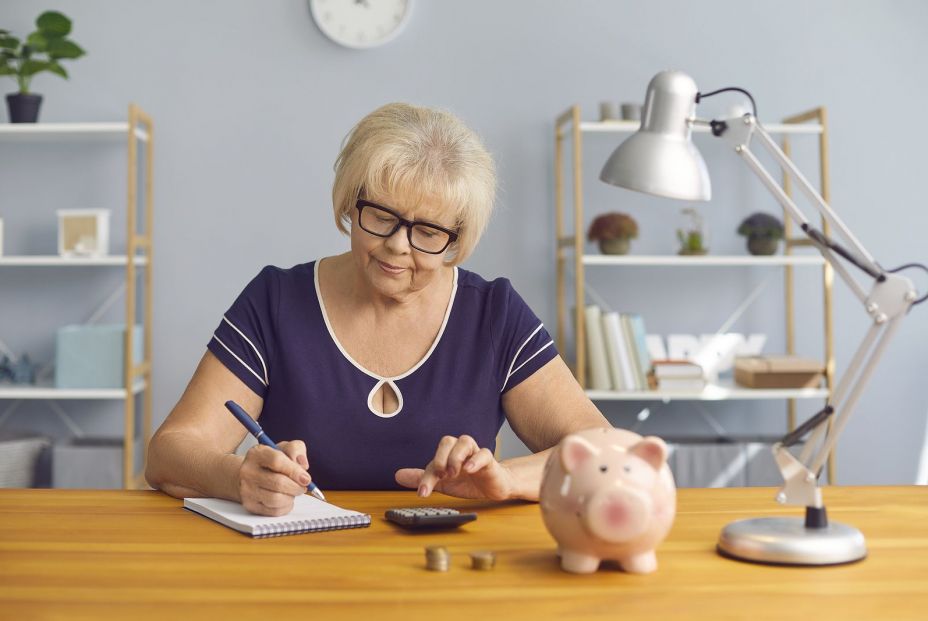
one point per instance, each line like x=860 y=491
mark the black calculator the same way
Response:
x=428 y=517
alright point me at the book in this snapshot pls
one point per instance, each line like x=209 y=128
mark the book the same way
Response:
x=641 y=380
x=309 y=515
x=641 y=345
x=596 y=350
x=681 y=383
x=619 y=363
x=676 y=368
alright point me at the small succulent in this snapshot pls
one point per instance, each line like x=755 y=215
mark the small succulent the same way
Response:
x=761 y=225
x=690 y=242
x=612 y=226
x=692 y=239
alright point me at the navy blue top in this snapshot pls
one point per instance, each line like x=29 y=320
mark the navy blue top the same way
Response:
x=277 y=339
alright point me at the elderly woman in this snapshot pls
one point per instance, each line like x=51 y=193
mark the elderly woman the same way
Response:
x=387 y=366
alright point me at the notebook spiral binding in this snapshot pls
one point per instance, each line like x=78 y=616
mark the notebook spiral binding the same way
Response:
x=311 y=526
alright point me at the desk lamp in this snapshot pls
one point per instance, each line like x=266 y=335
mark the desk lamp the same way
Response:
x=660 y=159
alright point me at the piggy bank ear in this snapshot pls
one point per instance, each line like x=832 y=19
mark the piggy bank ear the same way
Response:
x=651 y=449
x=575 y=451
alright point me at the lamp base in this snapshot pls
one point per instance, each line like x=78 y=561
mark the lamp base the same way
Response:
x=787 y=541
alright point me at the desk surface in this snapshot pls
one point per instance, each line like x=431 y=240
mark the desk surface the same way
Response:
x=116 y=554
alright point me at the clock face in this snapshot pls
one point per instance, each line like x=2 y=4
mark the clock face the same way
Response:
x=360 y=23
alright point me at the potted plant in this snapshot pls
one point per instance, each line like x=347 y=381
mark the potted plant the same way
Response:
x=40 y=52
x=613 y=231
x=763 y=231
x=692 y=237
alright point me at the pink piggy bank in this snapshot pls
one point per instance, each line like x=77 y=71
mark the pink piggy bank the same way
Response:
x=608 y=494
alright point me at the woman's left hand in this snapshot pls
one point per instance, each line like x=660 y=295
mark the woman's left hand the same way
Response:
x=460 y=468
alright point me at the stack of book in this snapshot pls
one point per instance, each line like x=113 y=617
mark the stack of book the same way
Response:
x=617 y=351
x=677 y=375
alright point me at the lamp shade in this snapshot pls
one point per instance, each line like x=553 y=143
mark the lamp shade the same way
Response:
x=660 y=158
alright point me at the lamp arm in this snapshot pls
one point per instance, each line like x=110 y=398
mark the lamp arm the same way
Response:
x=738 y=133
x=867 y=262
x=888 y=300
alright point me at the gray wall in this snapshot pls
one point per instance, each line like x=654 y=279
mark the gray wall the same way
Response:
x=251 y=102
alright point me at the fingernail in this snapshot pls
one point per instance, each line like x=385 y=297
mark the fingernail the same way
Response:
x=304 y=479
x=469 y=466
x=423 y=491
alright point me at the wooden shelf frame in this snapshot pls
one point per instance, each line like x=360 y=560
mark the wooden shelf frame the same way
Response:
x=139 y=243
x=570 y=127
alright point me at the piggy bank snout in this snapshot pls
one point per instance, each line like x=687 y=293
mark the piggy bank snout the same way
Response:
x=618 y=513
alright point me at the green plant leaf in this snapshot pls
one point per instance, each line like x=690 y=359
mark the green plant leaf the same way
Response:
x=57 y=69
x=6 y=69
x=31 y=67
x=62 y=48
x=53 y=23
x=8 y=42
x=37 y=41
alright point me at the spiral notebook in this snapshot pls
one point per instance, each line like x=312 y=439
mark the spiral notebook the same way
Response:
x=309 y=515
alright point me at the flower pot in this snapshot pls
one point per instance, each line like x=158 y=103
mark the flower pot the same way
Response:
x=614 y=246
x=763 y=245
x=23 y=107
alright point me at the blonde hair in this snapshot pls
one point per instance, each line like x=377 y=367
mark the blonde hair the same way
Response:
x=419 y=154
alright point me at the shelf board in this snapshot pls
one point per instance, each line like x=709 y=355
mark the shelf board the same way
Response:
x=63 y=131
x=702 y=260
x=722 y=391
x=38 y=260
x=47 y=391
x=628 y=127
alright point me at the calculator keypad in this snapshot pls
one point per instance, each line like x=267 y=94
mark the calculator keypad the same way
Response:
x=426 y=517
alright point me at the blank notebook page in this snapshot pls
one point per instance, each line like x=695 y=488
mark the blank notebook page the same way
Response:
x=309 y=514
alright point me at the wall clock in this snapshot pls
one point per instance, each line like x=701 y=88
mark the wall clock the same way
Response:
x=360 y=24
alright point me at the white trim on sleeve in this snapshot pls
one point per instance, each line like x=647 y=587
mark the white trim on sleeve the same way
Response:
x=252 y=371
x=516 y=370
x=242 y=334
x=516 y=357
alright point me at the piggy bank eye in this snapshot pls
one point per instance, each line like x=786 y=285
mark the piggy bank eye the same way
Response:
x=627 y=468
x=603 y=468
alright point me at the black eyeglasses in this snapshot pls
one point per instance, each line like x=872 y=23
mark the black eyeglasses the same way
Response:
x=423 y=236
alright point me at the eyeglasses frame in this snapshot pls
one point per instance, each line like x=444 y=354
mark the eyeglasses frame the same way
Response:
x=401 y=221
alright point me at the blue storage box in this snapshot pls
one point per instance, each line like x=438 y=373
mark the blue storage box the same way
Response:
x=91 y=356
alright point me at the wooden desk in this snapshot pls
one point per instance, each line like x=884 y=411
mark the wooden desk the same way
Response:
x=131 y=555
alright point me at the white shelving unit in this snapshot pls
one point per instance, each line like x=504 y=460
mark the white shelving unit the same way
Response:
x=569 y=128
x=628 y=127
x=137 y=377
x=33 y=132
x=720 y=391
x=702 y=261
x=48 y=391
x=37 y=260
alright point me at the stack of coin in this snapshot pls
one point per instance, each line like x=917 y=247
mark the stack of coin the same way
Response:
x=482 y=560
x=437 y=558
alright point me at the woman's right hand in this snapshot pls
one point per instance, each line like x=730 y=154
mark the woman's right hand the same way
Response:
x=269 y=480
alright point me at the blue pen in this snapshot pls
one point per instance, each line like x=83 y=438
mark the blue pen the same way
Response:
x=255 y=429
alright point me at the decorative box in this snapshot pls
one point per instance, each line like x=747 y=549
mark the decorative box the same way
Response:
x=91 y=356
x=88 y=463
x=778 y=372
x=83 y=232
